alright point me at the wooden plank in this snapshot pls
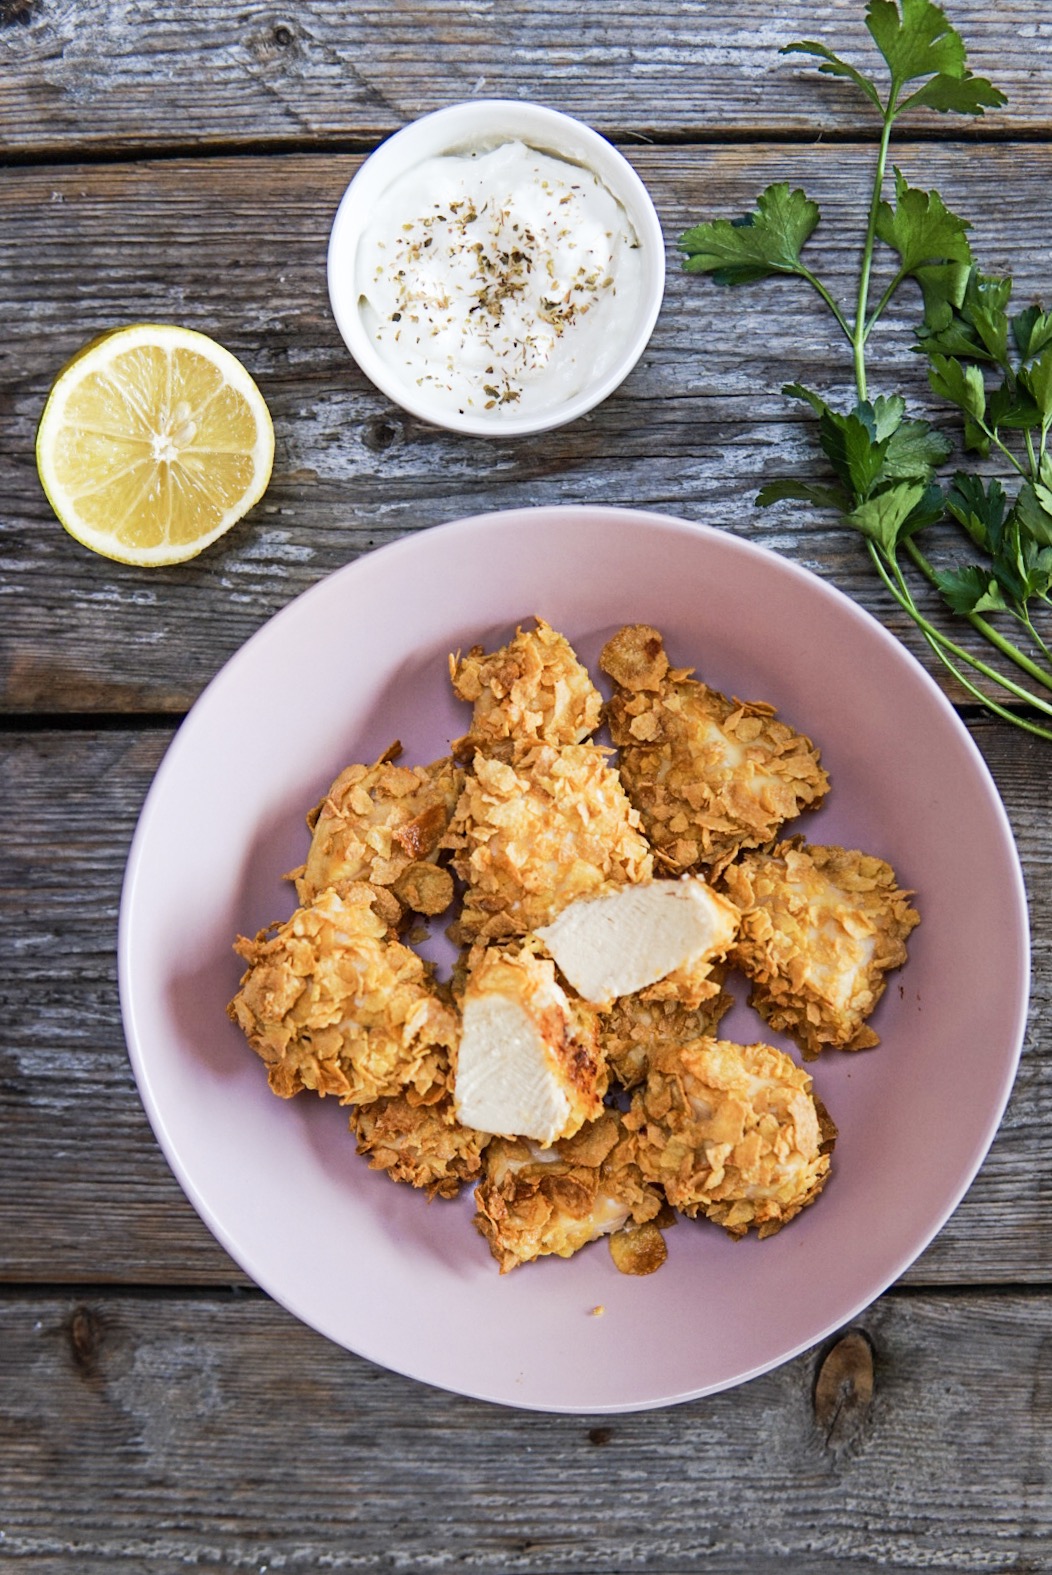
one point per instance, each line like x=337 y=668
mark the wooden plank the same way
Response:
x=236 y=247
x=98 y=77
x=215 y=1433
x=85 y=1194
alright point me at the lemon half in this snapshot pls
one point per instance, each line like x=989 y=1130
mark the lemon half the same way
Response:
x=153 y=442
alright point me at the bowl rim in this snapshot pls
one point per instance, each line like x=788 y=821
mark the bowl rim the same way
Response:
x=453 y=129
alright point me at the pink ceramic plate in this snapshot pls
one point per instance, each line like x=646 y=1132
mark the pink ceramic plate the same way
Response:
x=360 y=660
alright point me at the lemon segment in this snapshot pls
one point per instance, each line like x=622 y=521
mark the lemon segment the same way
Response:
x=153 y=442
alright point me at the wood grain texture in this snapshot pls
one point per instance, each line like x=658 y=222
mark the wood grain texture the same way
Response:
x=85 y=1193
x=90 y=75
x=236 y=247
x=290 y=1454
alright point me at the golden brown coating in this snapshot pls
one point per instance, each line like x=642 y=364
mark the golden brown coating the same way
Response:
x=532 y=834
x=330 y=1002
x=709 y=774
x=638 y=1025
x=420 y=1143
x=732 y=1132
x=532 y=690
x=638 y=1249
x=821 y=927
x=383 y=824
x=534 y=1202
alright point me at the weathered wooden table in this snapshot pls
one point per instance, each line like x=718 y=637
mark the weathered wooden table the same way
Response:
x=183 y=163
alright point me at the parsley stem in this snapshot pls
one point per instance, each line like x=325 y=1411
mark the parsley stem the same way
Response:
x=878 y=310
x=1027 y=622
x=1030 y=453
x=987 y=630
x=992 y=434
x=858 y=337
x=987 y=701
x=816 y=284
x=941 y=643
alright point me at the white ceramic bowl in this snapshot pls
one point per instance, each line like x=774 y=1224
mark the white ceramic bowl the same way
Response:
x=477 y=126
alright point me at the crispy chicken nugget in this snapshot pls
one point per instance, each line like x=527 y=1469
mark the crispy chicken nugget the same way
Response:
x=420 y=1143
x=733 y=1132
x=330 y=1002
x=531 y=834
x=709 y=774
x=528 y=1064
x=662 y=936
x=821 y=927
x=637 y=1026
x=383 y=824
x=532 y=690
x=532 y=1202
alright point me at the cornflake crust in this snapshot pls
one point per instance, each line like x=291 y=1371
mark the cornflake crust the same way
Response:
x=383 y=824
x=532 y=690
x=528 y=1063
x=732 y=1132
x=420 y=1143
x=532 y=834
x=637 y=1026
x=533 y=1202
x=821 y=927
x=331 y=1002
x=709 y=774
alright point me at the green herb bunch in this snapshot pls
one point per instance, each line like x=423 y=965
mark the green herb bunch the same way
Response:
x=995 y=367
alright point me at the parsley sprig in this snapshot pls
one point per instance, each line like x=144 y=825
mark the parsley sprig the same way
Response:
x=994 y=367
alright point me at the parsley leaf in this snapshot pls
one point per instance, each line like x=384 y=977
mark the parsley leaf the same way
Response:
x=970 y=589
x=766 y=242
x=962 y=385
x=980 y=509
x=882 y=518
x=921 y=228
x=1037 y=380
x=833 y=66
x=823 y=497
x=964 y=95
x=918 y=43
x=1032 y=331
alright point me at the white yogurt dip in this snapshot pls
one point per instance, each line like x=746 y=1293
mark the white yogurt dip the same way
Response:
x=499 y=283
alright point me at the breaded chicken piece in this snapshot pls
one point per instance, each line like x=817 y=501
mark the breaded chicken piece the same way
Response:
x=661 y=936
x=532 y=690
x=532 y=1202
x=637 y=1026
x=733 y=1132
x=709 y=774
x=821 y=927
x=383 y=824
x=528 y=1063
x=531 y=834
x=331 y=1002
x=420 y=1143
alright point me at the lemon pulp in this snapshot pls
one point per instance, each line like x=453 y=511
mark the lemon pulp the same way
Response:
x=153 y=442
